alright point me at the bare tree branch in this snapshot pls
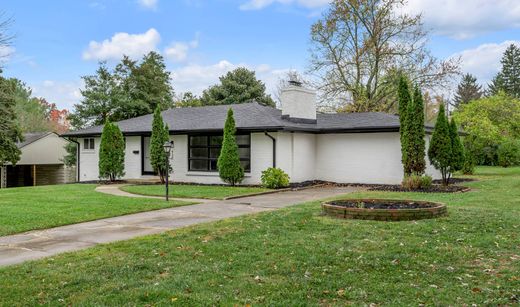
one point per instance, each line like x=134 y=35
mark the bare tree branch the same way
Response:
x=360 y=46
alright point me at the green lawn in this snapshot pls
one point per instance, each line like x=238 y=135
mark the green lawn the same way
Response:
x=29 y=208
x=193 y=191
x=295 y=256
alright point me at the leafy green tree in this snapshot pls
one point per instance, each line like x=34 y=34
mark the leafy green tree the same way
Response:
x=467 y=90
x=416 y=134
x=457 y=149
x=32 y=115
x=509 y=153
x=111 y=153
x=10 y=132
x=228 y=163
x=101 y=97
x=487 y=120
x=440 y=149
x=188 y=99
x=237 y=86
x=404 y=99
x=131 y=89
x=160 y=135
x=149 y=85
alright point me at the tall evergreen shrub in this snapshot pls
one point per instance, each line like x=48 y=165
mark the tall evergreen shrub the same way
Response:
x=457 y=149
x=404 y=99
x=228 y=163
x=160 y=135
x=415 y=125
x=111 y=153
x=440 y=149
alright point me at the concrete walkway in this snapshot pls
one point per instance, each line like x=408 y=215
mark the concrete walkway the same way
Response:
x=43 y=243
x=115 y=189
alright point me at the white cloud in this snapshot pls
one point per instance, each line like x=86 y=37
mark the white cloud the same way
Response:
x=133 y=45
x=148 y=4
x=463 y=19
x=458 y=19
x=5 y=53
x=484 y=61
x=260 y=4
x=178 y=51
x=196 y=78
x=63 y=93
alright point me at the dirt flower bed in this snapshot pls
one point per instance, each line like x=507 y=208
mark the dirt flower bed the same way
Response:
x=434 y=188
x=383 y=209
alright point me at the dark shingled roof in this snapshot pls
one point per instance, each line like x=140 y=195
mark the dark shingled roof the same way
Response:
x=250 y=117
x=31 y=138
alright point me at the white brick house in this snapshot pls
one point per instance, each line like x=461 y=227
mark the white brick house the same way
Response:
x=346 y=148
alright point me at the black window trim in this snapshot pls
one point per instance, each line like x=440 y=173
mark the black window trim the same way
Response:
x=90 y=142
x=209 y=146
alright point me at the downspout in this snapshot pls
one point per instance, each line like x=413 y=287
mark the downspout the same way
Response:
x=274 y=147
x=77 y=157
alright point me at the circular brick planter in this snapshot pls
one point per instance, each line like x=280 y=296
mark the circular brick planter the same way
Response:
x=383 y=209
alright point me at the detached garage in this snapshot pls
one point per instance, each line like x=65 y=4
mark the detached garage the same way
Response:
x=40 y=162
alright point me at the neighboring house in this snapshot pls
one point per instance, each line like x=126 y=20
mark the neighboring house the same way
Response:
x=345 y=147
x=40 y=162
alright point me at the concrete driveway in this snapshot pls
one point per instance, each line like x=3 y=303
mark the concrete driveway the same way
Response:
x=43 y=243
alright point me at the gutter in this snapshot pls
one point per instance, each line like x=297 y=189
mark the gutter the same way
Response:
x=274 y=147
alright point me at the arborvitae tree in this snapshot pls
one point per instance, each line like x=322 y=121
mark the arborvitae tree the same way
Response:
x=228 y=163
x=416 y=144
x=457 y=149
x=111 y=153
x=440 y=149
x=404 y=99
x=467 y=90
x=160 y=135
x=10 y=132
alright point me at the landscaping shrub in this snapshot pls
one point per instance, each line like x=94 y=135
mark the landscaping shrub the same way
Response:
x=275 y=178
x=457 y=149
x=404 y=98
x=160 y=135
x=440 y=150
x=228 y=163
x=509 y=154
x=111 y=153
x=416 y=182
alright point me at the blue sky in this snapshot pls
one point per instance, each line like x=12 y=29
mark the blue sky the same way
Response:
x=59 y=41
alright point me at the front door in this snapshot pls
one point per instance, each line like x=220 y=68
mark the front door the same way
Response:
x=147 y=165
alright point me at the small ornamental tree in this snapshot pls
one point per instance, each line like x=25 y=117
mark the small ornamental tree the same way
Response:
x=160 y=135
x=440 y=149
x=457 y=149
x=415 y=129
x=228 y=163
x=111 y=153
x=404 y=99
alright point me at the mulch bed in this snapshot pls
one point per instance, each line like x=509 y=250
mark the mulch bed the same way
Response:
x=434 y=188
